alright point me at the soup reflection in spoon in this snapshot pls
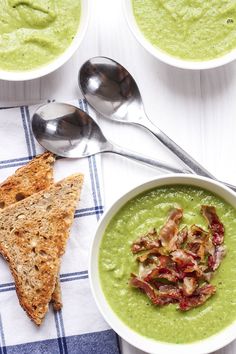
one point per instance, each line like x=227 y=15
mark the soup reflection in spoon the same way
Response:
x=70 y=132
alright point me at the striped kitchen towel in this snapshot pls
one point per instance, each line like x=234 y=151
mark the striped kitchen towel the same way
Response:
x=79 y=327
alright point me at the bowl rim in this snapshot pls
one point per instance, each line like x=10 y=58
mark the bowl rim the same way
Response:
x=208 y=345
x=58 y=61
x=164 y=56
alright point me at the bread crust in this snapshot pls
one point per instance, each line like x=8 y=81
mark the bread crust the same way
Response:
x=56 y=299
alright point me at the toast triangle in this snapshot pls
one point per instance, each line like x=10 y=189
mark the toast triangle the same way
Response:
x=33 y=236
x=31 y=178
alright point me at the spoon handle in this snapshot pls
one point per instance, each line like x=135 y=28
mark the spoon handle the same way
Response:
x=176 y=149
x=144 y=159
x=113 y=148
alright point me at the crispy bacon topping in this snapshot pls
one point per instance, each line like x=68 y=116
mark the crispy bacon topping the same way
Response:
x=182 y=237
x=168 y=234
x=189 y=285
x=216 y=227
x=215 y=259
x=146 y=242
x=198 y=298
x=147 y=288
x=166 y=294
x=173 y=264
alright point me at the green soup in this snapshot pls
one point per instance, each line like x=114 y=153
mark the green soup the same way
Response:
x=189 y=29
x=35 y=32
x=116 y=262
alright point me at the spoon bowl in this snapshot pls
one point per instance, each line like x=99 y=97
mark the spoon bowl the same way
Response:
x=66 y=131
x=70 y=132
x=111 y=90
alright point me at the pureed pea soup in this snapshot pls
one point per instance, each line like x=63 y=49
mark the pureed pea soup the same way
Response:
x=116 y=262
x=35 y=32
x=195 y=30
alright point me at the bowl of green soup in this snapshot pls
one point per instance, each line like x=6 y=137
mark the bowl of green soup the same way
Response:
x=162 y=265
x=185 y=34
x=39 y=36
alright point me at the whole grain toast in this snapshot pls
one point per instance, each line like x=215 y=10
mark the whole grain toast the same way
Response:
x=31 y=178
x=33 y=236
x=27 y=180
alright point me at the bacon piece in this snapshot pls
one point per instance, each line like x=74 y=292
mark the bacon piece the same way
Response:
x=197 y=235
x=214 y=224
x=198 y=298
x=181 y=237
x=145 y=269
x=215 y=259
x=168 y=234
x=143 y=285
x=199 y=242
x=150 y=253
x=146 y=242
x=186 y=262
x=164 y=269
x=207 y=276
x=150 y=291
x=169 y=293
x=166 y=294
x=163 y=273
x=189 y=285
x=147 y=288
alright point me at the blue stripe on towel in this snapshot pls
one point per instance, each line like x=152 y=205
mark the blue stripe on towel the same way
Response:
x=2 y=339
x=74 y=278
x=64 y=340
x=31 y=136
x=90 y=343
x=59 y=340
x=73 y=274
x=63 y=277
x=1 y=108
x=97 y=210
x=97 y=195
x=93 y=170
x=93 y=185
x=26 y=130
x=4 y=290
x=18 y=164
x=20 y=159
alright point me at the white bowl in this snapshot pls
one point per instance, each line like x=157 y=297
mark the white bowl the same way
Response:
x=165 y=57
x=60 y=60
x=208 y=345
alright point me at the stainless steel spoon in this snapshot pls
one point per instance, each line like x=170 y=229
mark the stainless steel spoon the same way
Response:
x=111 y=90
x=70 y=132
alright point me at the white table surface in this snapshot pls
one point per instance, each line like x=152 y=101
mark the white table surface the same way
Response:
x=196 y=109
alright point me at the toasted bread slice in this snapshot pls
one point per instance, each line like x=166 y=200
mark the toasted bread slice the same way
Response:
x=33 y=177
x=27 y=180
x=33 y=236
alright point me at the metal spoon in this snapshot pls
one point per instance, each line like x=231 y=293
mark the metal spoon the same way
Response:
x=70 y=132
x=111 y=90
